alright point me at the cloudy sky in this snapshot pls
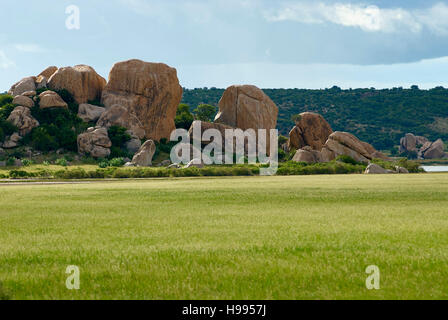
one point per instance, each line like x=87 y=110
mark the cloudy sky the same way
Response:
x=272 y=44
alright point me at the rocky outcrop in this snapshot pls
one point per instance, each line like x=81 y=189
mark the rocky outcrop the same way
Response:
x=435 y=150
x=89 y=112
x=421 y=147
x=133 y=145
x=95 y=142
x=143 y=158
x=340 y=143
x=123 y=117
x=311 y=130
x=247 y=107
x=21 y=117
x=149 y=92
x=23 y=101
x=50 y=99
x=24 y=85
x=81 y=81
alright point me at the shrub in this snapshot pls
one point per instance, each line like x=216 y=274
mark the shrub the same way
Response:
x=61 y=162
x=18 y=174
x=42 y=140
x=184 y=118
x=117 y=162
x=118 y=137
x=11 y=162
x=77 y=173
x=46 y=163
x=347 y=159
x=104 y=164
x=27 y=162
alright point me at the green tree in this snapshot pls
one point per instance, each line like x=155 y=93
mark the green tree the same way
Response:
x=205 y=112
x=184 y=118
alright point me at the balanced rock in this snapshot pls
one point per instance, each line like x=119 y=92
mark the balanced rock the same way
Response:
x=311 y=130
x=81 y=81
x=95 y=142
x=50 y=99
x=123 y=117
x=143 y=158
x=21 y=117
x=24 y=85
x=89 y=112
x=150 y=92
x=375 y=169
x=23 y=101
x=247 y=107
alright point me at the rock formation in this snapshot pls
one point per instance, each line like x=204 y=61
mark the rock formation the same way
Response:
x=375 y=169
x=121 y=116
x=422 y=148
x=311 y=130
x=94 y=142
x=48 y=72
x=143 y=158
x=50 y=99
x=81 y=81
x=21 y=117
x=90 y=113
x=149 y=92
x=340 y=143
x=247 y=107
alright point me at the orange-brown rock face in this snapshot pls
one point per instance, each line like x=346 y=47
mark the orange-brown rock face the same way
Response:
x=149 y=91
x=47 y=73
x=311 y=130
x=81 y=81
x=247 y=107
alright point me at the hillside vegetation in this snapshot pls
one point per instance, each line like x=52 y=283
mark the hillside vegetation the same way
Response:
x=380 y=117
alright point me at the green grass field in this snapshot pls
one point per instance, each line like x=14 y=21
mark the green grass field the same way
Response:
x=297 y=237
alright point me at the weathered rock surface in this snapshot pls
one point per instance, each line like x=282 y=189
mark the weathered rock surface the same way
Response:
x=150 y=92
x=48 y=72
x=12 y=141
x=435 y=151
x=311 y=130
x=123 y=117
x=143 y=158
x=29 y=94
x=81 y=81
x=247 y=107
x=24 y=85
x=375 y=169
x=41 y=82
x=21 y=117
x=308 y=154
x=95 y=142
x=50 y=99
x=23 y=101
x=89 y=112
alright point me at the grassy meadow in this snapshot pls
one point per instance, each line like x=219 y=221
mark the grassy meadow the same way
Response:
x=292 y=237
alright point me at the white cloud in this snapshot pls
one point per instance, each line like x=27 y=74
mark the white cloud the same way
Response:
x=28 y=48
x=369 y=18
x=5 y=62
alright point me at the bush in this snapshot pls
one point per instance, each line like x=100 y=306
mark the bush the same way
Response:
x=41 y=140
x=104 y=164
x=61 y=162
x=118 y=137
x=11 y=162
x=347 y=159
x=77 y=173
x=27 y=162
x=117 y=162
x=20 y=174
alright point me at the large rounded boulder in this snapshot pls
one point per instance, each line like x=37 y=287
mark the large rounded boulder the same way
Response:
x=247 y=107
x=311 y=130
x=81 y=81
x=150 y=93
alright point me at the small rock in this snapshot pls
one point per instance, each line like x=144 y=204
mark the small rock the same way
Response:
x=375 y=169
x=89 y=112
x=29 y=94
x=164 y=163
x=401 y=170
x=12 y=141
x=17 y=163
x=143 y=157
x=129 y=164
x=50 y=99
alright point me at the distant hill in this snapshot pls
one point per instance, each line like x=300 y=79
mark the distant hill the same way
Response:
x=380 y=117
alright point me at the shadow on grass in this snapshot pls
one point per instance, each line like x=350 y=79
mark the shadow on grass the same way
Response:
x=4 y=295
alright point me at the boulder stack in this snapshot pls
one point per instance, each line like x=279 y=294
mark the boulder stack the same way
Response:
x=311 y=130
